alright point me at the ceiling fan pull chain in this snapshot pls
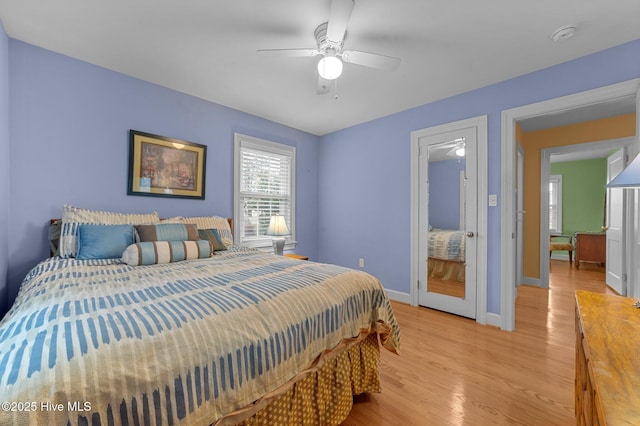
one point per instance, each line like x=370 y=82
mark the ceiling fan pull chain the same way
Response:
x=335 y=89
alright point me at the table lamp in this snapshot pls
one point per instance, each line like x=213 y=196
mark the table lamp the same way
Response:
x=629 y=177
x=278 y=229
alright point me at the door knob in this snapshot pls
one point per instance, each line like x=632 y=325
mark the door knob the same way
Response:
x=470 y=234
x=604 y=228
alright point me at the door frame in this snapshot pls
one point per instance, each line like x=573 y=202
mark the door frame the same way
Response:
x=545 y=170
x=520 y=211
x=480 y=123
x=507 y=166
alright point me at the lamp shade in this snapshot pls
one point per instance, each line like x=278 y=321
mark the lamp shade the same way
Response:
x=629 y=177
x=330 y=67
x=277 y=226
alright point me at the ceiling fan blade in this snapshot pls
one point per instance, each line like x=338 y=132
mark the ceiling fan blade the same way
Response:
x=291 y=53
x=323 y=87
x=372 y=60
x=338 y=19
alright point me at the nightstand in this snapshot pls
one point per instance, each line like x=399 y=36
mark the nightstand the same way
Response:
x=296 y=256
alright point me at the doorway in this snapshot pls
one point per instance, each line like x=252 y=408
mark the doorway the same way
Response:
x=596 y=97
x=448 y=196
x=599 y=149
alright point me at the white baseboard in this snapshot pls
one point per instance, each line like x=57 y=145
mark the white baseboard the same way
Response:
x=494 y=319
x=531 y=281
x=560 y=256
x=399 y=296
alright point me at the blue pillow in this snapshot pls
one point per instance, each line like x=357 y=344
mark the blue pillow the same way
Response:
x=214 y=238
x=167 y=232
x=103 y=241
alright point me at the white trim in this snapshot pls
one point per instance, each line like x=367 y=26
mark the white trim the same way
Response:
x=633 y=280
x=493 y=319
x=521 y=212
x=531 y=281
x=560 y=256
x=463 y=196
x=249 y=142
x=399 y=296
x=558 y=213
x=480 y=123
x=509 y=119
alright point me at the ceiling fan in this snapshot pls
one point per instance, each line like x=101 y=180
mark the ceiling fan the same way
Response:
x=330 y=38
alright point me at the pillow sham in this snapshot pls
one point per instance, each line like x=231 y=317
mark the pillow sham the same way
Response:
x=167 y=232
x=213 y=222
x=214 y=239
x=73 y=217
x=156 y=252
x=103 y=241
x=54 y=237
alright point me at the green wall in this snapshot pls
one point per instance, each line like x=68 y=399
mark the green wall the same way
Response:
x=583 y=194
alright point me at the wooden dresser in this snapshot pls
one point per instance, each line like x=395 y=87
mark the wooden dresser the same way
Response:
x=607 y=386
x=590 y=247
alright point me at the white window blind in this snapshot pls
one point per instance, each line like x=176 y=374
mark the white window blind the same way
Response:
x=264 y=186
x=555 y=204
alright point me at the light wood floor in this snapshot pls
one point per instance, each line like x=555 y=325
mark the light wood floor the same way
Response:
x=452 y=371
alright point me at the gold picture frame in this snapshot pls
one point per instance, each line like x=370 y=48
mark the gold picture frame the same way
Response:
x=165 y=167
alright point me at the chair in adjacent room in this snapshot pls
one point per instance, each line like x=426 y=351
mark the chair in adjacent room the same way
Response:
x=562 y=243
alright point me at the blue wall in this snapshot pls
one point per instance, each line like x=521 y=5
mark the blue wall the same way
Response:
x=69 y=145
x=365 y=178
x=444 y=193
x=4 y=167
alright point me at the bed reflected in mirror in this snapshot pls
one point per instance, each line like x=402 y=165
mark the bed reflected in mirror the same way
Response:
x=446 y=215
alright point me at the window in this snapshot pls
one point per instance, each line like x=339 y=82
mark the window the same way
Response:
x=555 y=204
x=264 y=185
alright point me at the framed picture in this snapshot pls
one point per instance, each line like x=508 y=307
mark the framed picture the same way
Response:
x=165 y=167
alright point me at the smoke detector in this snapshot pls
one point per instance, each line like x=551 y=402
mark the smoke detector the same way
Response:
x=563 y=33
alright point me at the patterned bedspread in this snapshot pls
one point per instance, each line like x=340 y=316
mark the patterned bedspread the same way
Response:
x=445 y=244
x=100 y=342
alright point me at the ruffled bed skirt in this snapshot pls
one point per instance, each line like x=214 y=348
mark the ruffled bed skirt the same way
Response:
x=322 y=394
x=447 y=270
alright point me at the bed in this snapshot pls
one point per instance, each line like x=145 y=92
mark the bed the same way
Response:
x=237 y=336
x=446 y=254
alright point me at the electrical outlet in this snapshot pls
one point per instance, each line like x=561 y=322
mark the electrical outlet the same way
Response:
x=493 y=200
x=361 y=263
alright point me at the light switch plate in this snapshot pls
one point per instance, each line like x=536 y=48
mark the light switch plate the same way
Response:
x=493 y=200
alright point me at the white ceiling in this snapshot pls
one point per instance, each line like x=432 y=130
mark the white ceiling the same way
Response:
x=208 y=48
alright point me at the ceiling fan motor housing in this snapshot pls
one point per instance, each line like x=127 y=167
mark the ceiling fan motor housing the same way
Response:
x=324 y=44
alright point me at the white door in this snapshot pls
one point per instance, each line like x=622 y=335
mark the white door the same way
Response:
x=614 y=226
x=447 y=272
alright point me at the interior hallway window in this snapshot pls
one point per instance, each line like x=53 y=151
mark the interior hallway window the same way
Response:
x=555 y=204
x=264 y=185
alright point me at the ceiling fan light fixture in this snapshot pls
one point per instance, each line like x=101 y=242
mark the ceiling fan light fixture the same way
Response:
x=460 y=151
x=330 y=67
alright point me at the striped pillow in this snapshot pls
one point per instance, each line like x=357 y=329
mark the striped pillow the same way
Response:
x=213 y=222
x=167 y=232
x=214 y=238
x=73 y=217
x=153 y=252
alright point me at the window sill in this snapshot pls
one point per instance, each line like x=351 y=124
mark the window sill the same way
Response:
x=268 y=247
